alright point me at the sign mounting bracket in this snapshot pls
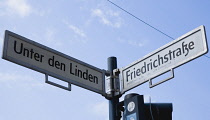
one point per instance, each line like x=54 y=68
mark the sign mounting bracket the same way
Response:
x=57 y=85
x=162 y=81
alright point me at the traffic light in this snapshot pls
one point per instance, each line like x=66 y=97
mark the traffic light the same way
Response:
x=158 y=111
x=133 y=107
x=136 y=109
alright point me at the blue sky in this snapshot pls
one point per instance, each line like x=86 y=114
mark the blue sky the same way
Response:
x=92 y=31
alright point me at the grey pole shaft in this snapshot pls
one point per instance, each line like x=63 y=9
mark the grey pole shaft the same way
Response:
x=112 y=64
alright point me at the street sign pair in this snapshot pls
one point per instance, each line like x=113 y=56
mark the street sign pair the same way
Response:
x=33 y=55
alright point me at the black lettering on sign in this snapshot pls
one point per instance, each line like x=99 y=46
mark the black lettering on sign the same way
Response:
x=151 y=64
x=74 y=70
x=29 y=53
x=54 y=63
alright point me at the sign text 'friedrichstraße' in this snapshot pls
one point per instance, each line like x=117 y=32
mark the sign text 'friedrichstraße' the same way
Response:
x=160 y=60
x=170 y=56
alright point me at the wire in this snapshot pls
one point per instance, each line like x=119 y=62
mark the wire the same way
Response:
x=141 y=20
x=151 y=108
x=207 y=56
x=145 y=22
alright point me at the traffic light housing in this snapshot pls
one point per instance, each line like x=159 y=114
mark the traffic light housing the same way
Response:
x=136 y=109
x=133 y=107
x=158 y=111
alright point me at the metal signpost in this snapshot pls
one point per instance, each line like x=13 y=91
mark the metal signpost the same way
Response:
x=38 y=57
x=180 y=51
x=30 y=54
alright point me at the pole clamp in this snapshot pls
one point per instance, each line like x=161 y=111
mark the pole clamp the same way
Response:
x=112 y=83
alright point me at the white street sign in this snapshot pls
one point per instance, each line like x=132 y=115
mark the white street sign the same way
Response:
x=38 y=57
x=168 y=57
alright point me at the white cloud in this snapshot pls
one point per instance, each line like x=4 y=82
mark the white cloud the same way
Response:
x=1 y=40
x=50 y=35
x=15 y=7
x=19 y=7
x=135 y=43
x=109 y=18
x=79 y=34
x=131 y=42
x=101 y=109
x=75 y=29
x=11 y=79
x=42 y=13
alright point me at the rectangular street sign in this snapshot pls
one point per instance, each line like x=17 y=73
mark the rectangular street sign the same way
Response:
x=168 y=57
x=33 y=55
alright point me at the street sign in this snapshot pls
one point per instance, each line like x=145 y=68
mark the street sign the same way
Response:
x=180 y=51
x=33 y=55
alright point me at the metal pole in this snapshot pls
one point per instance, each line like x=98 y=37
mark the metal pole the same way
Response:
x=112 y=64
